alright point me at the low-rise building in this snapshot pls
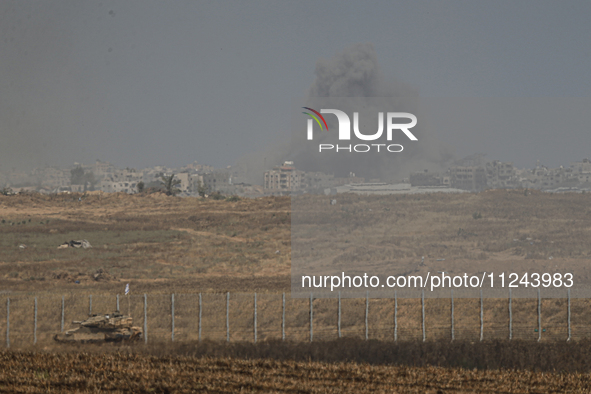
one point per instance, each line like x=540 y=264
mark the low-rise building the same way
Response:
x=500 y=175
x=108 y=186
x=186 y=184
x=217 y=181
x=284 y=179
x=103 y=169
x=468 y=178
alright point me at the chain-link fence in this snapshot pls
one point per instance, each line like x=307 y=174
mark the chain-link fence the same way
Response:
x=258 y=317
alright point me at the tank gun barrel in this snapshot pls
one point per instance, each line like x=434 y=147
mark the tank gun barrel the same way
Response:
x=77 y=322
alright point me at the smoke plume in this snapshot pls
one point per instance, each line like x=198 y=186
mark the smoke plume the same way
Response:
x=353 y=82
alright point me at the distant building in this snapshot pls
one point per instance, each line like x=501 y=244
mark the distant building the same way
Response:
x=543 y=178
x=468 y=178
x=582 y=166
x=52 y=177
x=186 y=182
x=284 y=179
x=318 y=180
x=582 y=170
x=108 y=186
x=218 y=181
x=126 y=175
x=103 y=169
x=194 y=167
x=500 y=175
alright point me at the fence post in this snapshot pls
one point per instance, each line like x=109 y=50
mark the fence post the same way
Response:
x=569 y=332
x=255 y=317
x=62 y=313
x=539 y=316
x=172 y=316
x=510 y=317
x=452 y=315
x=90 y=305
x=395 y=317
x=481 y=317
x=7 y=322
x=366 y=315
x=35 y=330
x=228 y=317
x=145 y=318
x=283 y=320
x=423 y=313
x=117 y=302
x=339 y=321
x=200 y=309
x=311 y=318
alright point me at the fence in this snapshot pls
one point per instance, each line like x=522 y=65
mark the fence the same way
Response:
x=256 y=317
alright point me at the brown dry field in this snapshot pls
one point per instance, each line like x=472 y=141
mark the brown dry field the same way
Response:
x=156 y=243
x=163 y=245
x=511 y=231
x=129 y=372
x=168 y=244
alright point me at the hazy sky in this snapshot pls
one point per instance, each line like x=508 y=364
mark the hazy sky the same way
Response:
x=142 y=83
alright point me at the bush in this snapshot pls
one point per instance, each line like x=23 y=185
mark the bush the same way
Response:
x=477 y=215
x=217 y=196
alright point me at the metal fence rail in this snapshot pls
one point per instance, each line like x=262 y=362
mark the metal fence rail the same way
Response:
x=263 y=316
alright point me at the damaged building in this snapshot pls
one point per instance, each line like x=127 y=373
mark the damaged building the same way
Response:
x=501 y=175
x=468 y=178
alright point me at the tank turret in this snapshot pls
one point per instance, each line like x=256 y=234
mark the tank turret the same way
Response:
x=111 y=327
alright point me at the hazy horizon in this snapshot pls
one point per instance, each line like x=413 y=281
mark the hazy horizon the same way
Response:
x=146 y=83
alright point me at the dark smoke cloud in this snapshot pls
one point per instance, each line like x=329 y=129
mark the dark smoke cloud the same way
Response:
x=355 y=73
x=353 y=82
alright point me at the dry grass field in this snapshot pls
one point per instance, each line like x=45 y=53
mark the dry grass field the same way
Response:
x=163 y=245
x=493 y=231
x=125 y=372
x=168 y=244
x=156 y=243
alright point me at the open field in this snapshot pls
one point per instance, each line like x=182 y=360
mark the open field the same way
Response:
x=163 y=245
x=154 y=242
x=168 y=244
x=511 y=231
x=242 y=368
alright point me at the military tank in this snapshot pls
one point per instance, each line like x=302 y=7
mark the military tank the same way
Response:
x=111 y=327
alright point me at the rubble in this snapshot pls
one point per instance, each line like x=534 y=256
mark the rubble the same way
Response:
x=76 y=244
